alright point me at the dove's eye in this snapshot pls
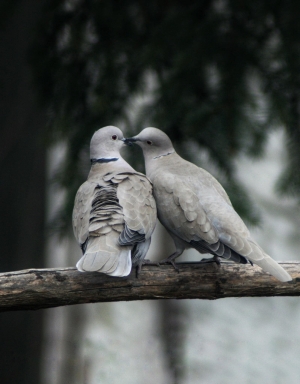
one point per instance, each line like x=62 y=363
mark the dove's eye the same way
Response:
x=149 y=142
x=114 y=137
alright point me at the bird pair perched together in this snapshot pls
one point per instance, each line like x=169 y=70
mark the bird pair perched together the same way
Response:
x=116 y=209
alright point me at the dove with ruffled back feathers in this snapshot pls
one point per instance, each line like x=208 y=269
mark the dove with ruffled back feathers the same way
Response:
x=114 y=213
x=195 y=209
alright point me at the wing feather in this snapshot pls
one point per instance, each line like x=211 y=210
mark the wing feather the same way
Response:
x=113 y=218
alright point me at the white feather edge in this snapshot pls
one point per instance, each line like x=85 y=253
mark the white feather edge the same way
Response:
x=93 y=262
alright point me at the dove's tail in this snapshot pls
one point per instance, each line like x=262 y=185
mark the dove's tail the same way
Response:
x=271 y=266
x=103 y=254
x=265 y=262
x=256 y=256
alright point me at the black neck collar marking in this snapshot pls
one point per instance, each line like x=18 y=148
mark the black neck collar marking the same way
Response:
x=104 y=160
x=157 y=157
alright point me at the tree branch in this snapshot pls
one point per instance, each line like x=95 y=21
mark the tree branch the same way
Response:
x=45 y=288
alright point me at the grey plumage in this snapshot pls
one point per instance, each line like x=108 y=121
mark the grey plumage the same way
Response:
x=195 y=209
x=114 y=212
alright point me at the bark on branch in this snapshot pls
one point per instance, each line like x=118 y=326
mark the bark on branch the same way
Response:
x=45 y=288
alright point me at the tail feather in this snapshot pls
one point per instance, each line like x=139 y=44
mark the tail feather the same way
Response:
x=124 y=264
x=102 y=255
x=264 y=261
x=271 y=266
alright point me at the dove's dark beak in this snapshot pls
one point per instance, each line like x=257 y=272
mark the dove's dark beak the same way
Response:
x=129 y=141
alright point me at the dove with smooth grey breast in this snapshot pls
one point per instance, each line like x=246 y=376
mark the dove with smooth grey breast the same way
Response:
x=114 y=213
x=195 y=209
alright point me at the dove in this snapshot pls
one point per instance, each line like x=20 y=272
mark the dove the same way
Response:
x=114 y=212
x=195 y=209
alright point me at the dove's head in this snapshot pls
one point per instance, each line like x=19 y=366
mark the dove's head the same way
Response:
x=154 y=143
x=106 y=143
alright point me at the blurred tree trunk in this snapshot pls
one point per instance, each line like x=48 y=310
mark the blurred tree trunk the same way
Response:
x=172 y=314
x=22 y=192
x=63 y=360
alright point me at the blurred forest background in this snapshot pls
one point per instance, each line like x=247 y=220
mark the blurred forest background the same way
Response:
x=222 y=79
